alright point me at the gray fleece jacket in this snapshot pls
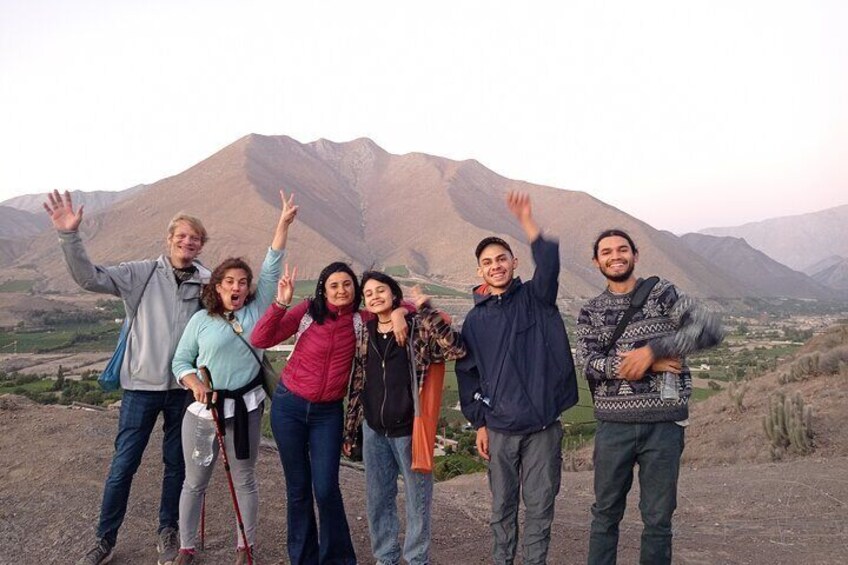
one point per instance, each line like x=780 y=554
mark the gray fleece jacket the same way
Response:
x=163 y=311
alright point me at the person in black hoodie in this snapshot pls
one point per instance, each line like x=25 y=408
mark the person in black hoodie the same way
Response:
x=385 y=390
x=515 y=381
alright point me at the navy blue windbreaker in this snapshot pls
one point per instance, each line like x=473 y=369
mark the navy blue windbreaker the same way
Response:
x=518 y=375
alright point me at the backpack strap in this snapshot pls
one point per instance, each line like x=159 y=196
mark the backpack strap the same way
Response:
x=640 y=296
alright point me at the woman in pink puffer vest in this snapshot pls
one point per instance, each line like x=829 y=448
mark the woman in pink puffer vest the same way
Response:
x=306 y=411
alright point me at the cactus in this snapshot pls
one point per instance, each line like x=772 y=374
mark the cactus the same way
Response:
x=737 y=395
x=788 y=424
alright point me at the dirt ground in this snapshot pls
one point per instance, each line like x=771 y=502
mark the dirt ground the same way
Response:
x=53 y=461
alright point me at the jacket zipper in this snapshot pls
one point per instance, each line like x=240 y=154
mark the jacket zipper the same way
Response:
x=385 y=384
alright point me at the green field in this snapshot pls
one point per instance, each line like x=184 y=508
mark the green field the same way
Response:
x=99 y=336
x=16 y=286
x=42 y=385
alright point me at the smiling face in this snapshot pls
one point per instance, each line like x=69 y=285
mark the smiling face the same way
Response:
x=184 y=245
x=378 y=297
x=496 y=266
x=616 y=259
x=233 y=289
x=339 y=289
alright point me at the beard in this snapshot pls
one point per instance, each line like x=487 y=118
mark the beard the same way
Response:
x=621 y=277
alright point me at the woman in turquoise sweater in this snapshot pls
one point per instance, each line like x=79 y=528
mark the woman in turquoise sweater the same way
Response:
x=218 y=338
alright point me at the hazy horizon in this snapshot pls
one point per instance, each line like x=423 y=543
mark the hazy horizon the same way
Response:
x=684 y=115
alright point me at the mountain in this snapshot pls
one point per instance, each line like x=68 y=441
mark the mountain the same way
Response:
x=362 y=204
x=796 y=241
x=833 y=275
x=94 y=201
x=825 y=263
x=17 y=227
x=754 y=268
x=19 y=224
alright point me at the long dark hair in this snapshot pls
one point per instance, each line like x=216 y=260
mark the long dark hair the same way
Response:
x=393 y=285
x=318 y=309
x=210 y=299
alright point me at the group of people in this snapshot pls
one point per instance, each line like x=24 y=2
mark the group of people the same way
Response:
x=362 y=355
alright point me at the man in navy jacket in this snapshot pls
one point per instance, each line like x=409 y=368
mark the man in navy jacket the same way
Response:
x=515 y=382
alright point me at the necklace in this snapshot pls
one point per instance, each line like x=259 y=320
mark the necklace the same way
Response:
x=388 y=330
x=236 y=325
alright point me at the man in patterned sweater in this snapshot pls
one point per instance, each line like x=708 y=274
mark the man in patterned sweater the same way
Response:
x=635 y=423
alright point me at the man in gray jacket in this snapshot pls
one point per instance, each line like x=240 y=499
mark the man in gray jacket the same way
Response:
x=163 y=293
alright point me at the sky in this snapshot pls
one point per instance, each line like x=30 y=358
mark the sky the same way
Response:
x=684 y=114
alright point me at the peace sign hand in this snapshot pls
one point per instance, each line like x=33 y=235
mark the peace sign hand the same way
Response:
x=289 y=209
x=285 y=287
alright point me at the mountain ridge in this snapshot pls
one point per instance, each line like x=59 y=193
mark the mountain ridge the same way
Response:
x=372 y=208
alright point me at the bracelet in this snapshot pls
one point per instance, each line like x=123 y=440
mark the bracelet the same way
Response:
x=279 y=304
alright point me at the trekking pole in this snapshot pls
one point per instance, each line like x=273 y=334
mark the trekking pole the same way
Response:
x=219 y=433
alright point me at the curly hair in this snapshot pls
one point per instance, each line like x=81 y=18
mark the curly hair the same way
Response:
x=318 y=304
x=210 y=298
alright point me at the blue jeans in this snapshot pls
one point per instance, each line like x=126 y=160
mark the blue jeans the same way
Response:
x=139 y=411
x=309 y=440
x=657 y=449
x=385 y=458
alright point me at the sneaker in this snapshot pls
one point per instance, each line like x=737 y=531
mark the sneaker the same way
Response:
x=185 y=557
x=102 y=553
x=241 y=555
x=168 y=545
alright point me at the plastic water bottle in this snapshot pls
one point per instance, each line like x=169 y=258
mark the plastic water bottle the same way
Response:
x=204 y=442
x=670 y=388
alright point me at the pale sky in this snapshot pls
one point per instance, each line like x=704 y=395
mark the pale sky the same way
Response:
x=683 y=114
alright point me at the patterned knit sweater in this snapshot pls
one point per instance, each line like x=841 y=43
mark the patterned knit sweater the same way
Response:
x=672 y=324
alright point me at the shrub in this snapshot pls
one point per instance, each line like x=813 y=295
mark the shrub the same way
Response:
x=829 y=361
x=736 y=393
x=451 y=466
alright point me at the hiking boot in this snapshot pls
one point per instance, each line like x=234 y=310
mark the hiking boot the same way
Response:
x=185 y=557
x=168 y=545
x=101 y=553
x=241 y=555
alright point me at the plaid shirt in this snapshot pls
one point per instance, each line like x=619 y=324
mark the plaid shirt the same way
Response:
x=431 y=340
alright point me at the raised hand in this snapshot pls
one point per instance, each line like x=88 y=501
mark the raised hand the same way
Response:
x=285 y=287
x=418 y=297
x=61 y=211
x=519 y=204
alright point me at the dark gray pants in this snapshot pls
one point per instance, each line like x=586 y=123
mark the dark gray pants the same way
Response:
x=618 y=447
x=532 y=465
